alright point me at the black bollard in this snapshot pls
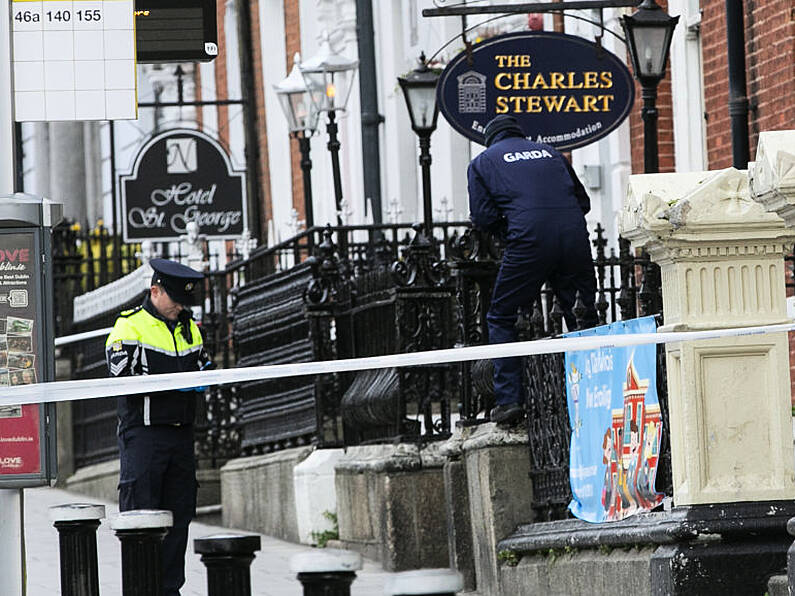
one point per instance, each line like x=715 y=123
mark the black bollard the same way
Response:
x=424 y=582
x=141 y=534
x=77 y=525
x=228 y=560
x=326 y=572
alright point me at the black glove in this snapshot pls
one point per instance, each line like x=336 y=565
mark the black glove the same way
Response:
x=205 y=362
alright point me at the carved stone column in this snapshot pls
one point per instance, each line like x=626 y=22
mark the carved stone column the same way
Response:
x=772 y=176
x=722 y=261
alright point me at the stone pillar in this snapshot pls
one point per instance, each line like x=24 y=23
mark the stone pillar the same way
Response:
x=459 y=520
x=391 y=506
x=721 y=257
x=722 y=262
x=500 y=493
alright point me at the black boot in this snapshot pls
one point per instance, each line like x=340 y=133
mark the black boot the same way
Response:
x=507 y=415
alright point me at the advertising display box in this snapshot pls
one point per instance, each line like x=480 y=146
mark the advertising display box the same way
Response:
x=27 y=433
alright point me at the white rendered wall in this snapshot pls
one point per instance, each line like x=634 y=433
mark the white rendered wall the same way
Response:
x=274 y=69
x=236 y=133
x=604 y=166
x=315 y=492
x=687 y=86
x=208 y=93
x=399 y=148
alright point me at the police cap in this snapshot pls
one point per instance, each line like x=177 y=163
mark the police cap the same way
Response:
x=499 y=124
x=179 y=281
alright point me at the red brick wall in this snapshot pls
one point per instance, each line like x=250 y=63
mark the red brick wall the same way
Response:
x=220 y=75
x=770 y=35
x=665 y=126
x=197 y=83
x=770 y=72
x=770 y=81
x=292 y=44
x=266 y=209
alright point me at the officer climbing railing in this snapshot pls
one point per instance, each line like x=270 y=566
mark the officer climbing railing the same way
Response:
x=627 y=286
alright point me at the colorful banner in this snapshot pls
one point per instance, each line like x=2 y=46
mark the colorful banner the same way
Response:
x=616 y=425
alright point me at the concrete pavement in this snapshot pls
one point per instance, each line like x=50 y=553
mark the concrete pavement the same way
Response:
x=270 y=571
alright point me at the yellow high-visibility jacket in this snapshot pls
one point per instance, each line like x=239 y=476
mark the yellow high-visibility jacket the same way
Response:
x=144 y=343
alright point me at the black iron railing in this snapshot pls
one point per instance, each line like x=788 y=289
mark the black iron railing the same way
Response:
x=85 y=259
x=333 y=293
x=352 y=291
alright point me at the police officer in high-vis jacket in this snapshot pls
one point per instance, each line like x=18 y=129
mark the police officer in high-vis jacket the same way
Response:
x=528 y=193
x=158 y=469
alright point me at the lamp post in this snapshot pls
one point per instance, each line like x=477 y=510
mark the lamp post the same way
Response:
x=328 y=77
x=649 y=31
x=419 y=91
x=302 y=121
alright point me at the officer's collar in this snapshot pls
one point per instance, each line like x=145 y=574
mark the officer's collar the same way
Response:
x=150 y=308
x=505 y=134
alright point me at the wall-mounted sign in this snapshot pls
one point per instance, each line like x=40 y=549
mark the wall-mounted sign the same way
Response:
x=180 y=176
x=176 y=30
x=74 y=60
x=564 y=90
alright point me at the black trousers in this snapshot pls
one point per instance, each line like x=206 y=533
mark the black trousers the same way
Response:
x=158 y=471
x=554 y=251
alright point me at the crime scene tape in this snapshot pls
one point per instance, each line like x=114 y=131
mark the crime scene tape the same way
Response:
x=116 y=386
x=70 y=339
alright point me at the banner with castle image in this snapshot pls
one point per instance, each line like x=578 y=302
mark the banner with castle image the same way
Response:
x=616 y=425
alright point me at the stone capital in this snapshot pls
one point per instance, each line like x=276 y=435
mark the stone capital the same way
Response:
x=667 y=212
x=772 y=176
x=720 y=252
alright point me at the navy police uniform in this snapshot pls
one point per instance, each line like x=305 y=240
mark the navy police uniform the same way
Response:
x=528 y=193
x=158 y=469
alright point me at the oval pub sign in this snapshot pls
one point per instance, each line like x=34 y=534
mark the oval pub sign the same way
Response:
x=565 y=91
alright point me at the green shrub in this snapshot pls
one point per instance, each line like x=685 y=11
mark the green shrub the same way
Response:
x=321 y=538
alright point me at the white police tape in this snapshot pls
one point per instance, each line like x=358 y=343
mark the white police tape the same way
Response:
x=110 y=387
x=70 y=339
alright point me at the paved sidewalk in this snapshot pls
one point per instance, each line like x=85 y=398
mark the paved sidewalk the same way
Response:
x=270 y=571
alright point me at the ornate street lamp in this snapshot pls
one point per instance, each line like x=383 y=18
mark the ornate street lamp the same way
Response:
x=302 y=121
x=649 y=31
x=419 y=91
x=329 y=80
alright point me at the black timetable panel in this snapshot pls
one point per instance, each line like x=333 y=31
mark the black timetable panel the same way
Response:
x=175 y=31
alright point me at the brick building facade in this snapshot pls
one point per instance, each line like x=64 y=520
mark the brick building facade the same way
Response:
x=770 y=80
